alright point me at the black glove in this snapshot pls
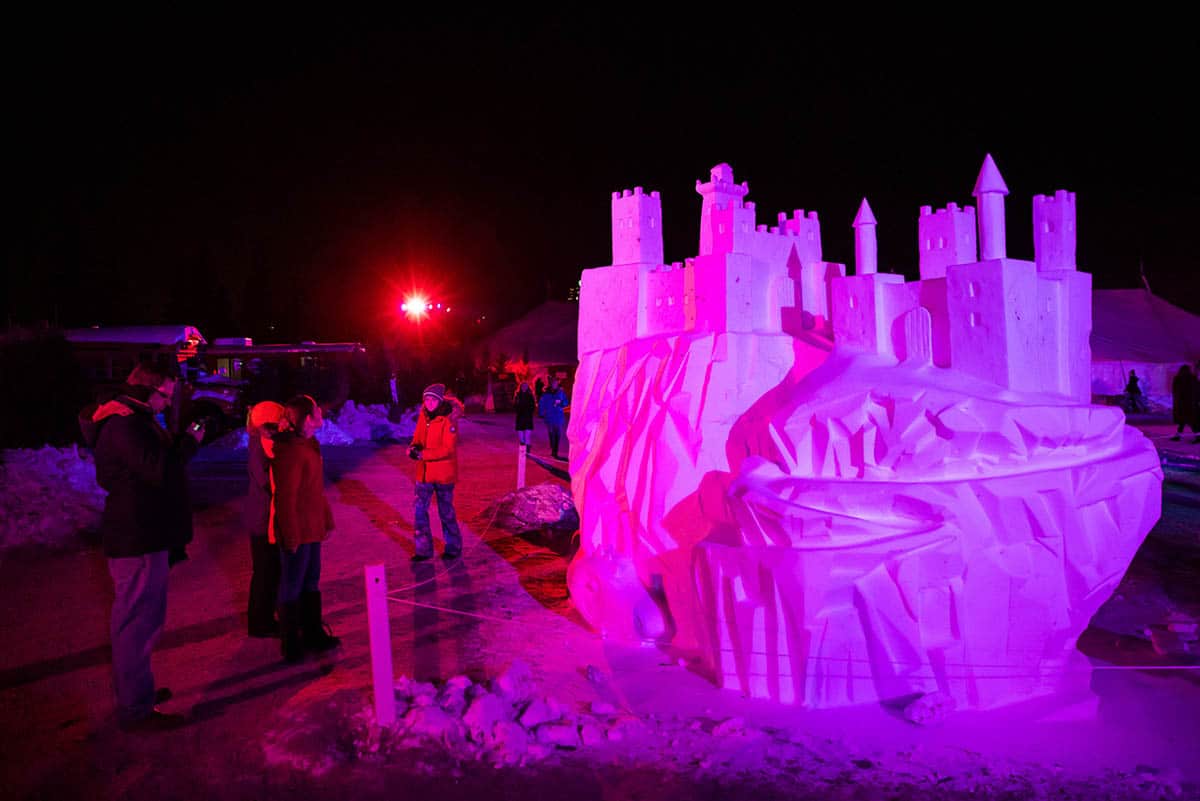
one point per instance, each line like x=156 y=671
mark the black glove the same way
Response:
x=414 y=452
x=176 y=555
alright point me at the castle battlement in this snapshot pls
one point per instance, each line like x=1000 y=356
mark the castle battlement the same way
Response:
x=636 y=227
x=1054 y=231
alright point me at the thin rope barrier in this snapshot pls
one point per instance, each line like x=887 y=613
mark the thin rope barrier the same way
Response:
x=444 y=571
x=1041 y=673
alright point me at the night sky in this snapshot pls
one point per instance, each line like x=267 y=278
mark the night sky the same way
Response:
x=289 y=181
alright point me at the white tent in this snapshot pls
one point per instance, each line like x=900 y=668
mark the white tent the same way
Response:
x=545 y=337
x=1133 y=329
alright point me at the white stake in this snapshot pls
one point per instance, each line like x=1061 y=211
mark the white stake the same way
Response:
x=381 y=645
x=520 y=466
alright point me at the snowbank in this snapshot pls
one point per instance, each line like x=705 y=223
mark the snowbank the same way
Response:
x=47 y=496
x=332 y=434
x=354 y=423
x=370 y=422
x=238 y=440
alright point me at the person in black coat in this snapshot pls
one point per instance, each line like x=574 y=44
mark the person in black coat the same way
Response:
x=145 y=528
x=525 y=405
x=1183 y=402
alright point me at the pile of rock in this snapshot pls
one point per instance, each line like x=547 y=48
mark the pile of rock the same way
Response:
x=504 y=721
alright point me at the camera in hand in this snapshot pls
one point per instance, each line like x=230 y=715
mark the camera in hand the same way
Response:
x=414 y=452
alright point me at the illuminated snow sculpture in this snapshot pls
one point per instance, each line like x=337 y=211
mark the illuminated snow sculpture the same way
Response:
x=850 y=488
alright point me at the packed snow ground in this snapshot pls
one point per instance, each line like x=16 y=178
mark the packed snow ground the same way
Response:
x=624 y=722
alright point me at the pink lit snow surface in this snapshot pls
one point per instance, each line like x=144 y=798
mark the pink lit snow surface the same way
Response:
x=850 y=488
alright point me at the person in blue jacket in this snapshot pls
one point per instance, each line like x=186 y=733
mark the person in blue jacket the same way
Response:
x=552 y=406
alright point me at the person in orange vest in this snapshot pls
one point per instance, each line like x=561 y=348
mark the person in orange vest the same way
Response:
x=435 y=450
x=262 y=423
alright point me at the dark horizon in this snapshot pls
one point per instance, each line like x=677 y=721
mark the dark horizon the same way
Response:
x=293 y=183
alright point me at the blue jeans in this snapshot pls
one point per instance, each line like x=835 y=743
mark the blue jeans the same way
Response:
x=445 y=504
x=139 y=612
x=300 y=572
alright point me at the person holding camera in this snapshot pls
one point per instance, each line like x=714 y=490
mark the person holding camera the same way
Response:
x=146 y=526
x=302 y=521
x=435 y=450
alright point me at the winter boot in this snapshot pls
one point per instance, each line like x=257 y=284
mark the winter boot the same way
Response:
x=291 y=632
x=317 y=634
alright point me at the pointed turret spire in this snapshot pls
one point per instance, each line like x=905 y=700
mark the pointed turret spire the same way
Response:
x=864 y=217
x=989 y=179
x=866 y=253
x=990 y=191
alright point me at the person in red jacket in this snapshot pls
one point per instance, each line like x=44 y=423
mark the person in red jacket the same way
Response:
x=435 y=449
x=301 y=520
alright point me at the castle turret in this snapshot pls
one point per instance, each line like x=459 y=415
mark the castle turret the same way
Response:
x=946 y=237
x=637 y=228
x=866 y=254
x=989 y=193
x=720 y=192
x=1054 y=231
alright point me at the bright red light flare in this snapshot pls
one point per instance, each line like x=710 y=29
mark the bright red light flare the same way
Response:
x=415 y=306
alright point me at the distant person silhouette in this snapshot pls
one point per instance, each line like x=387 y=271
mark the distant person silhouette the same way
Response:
x=525 y=406
x=1183 y=402
x=1133 y=394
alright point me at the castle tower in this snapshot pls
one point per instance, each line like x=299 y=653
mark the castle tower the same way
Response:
x=637 y=228
x=866 y=253
x=720 y=192
x=945 y=238
x=989 y=193
x=1054 y=231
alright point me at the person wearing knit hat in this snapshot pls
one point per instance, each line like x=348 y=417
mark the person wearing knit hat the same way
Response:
x=262 y=422
x=553 y=407
x=435 y=450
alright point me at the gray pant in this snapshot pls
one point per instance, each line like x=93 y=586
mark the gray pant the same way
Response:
x=139 y=611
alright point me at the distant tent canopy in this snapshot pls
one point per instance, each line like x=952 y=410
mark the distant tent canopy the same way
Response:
x=542 y=343
x=545 y=337
x=1133 y=329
